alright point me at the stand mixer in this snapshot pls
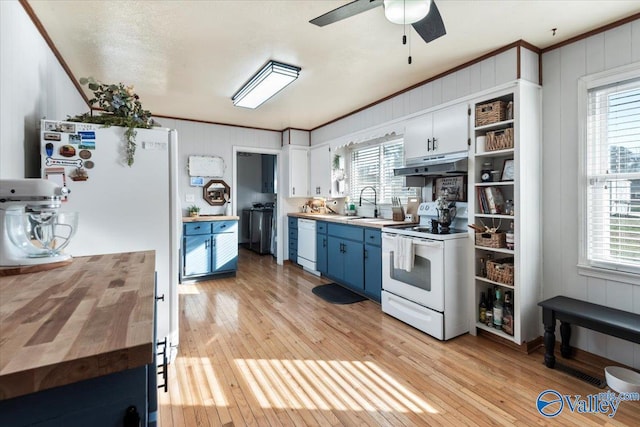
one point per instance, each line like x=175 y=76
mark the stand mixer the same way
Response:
x=32 y=229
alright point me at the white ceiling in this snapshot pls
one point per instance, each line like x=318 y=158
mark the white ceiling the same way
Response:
x=187 y=58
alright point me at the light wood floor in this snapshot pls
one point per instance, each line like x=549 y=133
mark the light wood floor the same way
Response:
x=261 y=350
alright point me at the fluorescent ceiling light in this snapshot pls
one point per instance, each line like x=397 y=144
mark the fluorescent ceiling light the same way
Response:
x=271 y=79
x=406 y=11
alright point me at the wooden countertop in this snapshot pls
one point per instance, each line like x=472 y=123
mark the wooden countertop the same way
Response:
x=210 y=218
x=93 y=317
x=344 y=219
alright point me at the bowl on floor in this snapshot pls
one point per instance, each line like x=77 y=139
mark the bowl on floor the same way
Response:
x=622 y=380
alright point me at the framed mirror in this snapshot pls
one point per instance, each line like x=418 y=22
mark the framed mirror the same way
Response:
x=216 y=192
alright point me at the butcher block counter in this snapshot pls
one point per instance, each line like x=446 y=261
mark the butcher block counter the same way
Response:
x=201 y=218
x=378 y=223
x=91 y=318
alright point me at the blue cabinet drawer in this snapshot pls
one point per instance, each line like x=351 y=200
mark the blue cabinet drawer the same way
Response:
x=293 y=222
x=321 y=227
x=194 y=228
x=293 y=244
x=346 y=231
x=372 y=237
x=293 y=234
x=224 y=226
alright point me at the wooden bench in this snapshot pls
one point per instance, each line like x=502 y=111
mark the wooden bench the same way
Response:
x=569 y=311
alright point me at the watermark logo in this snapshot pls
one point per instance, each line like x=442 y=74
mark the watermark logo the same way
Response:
x=551 y=403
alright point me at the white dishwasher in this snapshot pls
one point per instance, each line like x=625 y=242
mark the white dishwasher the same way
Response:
x=307 y=245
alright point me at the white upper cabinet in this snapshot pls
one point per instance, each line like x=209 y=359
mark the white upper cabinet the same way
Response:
x=296 y=170
x=439 y=132
x=320 y=171
x=417 y=135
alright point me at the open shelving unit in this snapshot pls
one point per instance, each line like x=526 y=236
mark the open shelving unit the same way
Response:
x=525 y=192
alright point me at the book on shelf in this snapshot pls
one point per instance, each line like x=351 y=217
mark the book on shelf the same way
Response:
x=490 y=200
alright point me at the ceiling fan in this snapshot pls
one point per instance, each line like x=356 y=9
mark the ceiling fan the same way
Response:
x=423 y=15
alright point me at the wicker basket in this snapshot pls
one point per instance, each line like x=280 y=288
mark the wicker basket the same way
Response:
x=499 y=140
x=491 y=240
x=501 y=270
x=493 y=112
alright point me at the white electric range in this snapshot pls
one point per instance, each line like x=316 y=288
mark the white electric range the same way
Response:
x=424 y=273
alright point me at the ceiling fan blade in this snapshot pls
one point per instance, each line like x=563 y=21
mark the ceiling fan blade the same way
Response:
x=431 y=26
x=346 y=11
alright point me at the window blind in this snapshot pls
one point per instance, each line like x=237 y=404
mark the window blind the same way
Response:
x=373 y=166
x=613 y=176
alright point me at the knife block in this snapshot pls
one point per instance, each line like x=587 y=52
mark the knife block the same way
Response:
x=398 y=213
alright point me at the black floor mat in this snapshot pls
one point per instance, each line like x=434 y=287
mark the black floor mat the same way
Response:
x=336 y=294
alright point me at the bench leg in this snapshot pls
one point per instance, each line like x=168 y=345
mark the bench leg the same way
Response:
x=565 y=335
x=549 y=321
x=549 y=344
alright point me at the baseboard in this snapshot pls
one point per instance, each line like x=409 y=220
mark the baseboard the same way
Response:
x=525 y=347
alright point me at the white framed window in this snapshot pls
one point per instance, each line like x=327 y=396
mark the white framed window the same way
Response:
x=373 y=165
x=611 y=173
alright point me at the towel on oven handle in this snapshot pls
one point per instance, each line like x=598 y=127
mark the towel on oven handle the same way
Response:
x=404 y=256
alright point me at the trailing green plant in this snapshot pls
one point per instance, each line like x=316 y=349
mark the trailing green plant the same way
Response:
x=121 y=106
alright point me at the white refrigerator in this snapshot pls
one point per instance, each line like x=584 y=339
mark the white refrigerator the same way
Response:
x=121 y=208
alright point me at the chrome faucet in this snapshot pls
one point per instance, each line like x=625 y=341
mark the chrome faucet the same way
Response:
x=375 y=200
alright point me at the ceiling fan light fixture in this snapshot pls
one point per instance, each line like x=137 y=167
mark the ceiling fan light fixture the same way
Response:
x=271 y=79
x=406 y=11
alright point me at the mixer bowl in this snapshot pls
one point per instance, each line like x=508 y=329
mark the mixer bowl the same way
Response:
x=41 y=234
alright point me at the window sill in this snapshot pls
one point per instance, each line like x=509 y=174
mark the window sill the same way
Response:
x=606 y=274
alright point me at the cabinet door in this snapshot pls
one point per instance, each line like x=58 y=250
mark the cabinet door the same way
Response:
x=353 y=258
x=373 y=271
x=418 y=136
x=320 y=171
x=268 y=173
x=451 y=129
x=321 y=253
x=225 y=252
x=335 y=261
x=298 y=172
x=197 y=255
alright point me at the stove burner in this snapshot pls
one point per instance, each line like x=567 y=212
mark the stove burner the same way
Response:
x=434 y=230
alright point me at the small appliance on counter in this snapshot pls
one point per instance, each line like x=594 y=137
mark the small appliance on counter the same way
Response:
x=32 y=229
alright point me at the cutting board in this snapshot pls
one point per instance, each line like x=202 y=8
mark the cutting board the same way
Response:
x=412 y=208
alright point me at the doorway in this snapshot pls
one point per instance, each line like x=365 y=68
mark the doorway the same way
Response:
x=255 y=198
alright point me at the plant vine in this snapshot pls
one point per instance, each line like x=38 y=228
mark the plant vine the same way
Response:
x=121 y=106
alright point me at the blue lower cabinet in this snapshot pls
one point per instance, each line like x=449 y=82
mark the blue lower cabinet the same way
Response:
x=224 y=254
x=209 y=248
x=321 y=247
x=353 y=264
x=346 y=262
x=101 y=401
x=197 y=255
x=373 y=271
x=293 y=239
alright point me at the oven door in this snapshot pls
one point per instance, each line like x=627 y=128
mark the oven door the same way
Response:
x=424 y=284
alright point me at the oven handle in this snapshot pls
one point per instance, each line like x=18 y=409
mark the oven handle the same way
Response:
x=416 y=241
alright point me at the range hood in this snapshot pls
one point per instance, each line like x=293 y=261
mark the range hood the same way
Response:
x=438 y=165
